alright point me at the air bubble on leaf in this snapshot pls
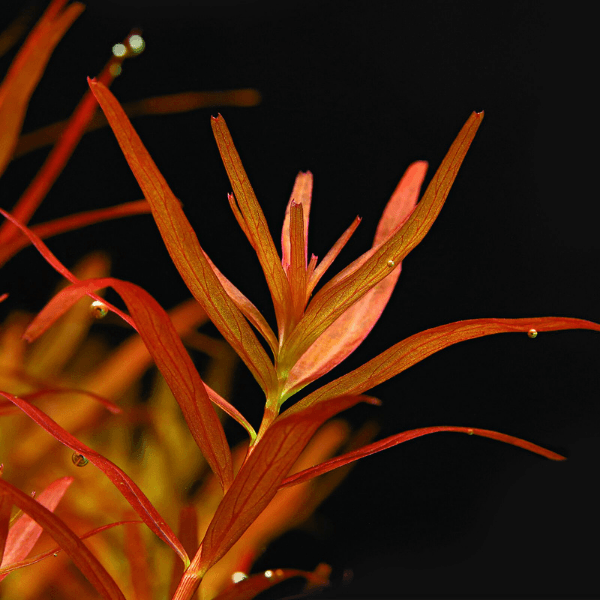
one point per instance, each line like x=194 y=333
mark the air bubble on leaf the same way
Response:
x=269 y=574
x=79 y=460
x=532 y=333
x=391 y=263
x=470 y=431
x=55 y=554
x=238 y=576
x=98 y=309
x=115 y=70
x=136 y=43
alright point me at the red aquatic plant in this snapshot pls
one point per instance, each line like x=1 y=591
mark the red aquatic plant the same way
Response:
x=313 y=336
x=255 y=492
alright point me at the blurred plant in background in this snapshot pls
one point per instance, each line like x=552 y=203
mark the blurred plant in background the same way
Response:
x=229 y=503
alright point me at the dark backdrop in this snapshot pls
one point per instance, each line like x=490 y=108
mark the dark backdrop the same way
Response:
x=355 y=91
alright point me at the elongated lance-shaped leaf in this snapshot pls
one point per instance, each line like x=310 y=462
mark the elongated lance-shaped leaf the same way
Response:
x=71 y=222
x=26 y=70
x=56 y=264
x=341 y=338
x=173 y=361
x=85 y=561
x=255 y=584
x=257 y=481
x=25 y=532
x=333 y=300
x=5 y=570
x=301 y=194
x=63 y=149
x=183 y=245
x=256 y=227
x=417 y=347
x=297 y=269
x=405 y=436
x=126 y=486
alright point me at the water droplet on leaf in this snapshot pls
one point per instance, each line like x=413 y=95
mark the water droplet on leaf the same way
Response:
x=98 y=309
x=532 y=333
x=79 y=460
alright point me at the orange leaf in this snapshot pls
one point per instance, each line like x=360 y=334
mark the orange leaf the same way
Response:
x=61 y=152
x=301 y=194
x=167 y=350
x=126 y=486
x=258 y=480
x=334 y=299
x=71 y=222
x=85 y=561
x=394 y=440
x=252 y=586
x=255 y=225
x=26 y=70
x=183 y=245
x=414 y=349
x=350 y=329
x=38 y=557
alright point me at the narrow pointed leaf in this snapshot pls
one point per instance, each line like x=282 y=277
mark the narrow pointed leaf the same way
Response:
x=72 y=222
x=183 y=245
x=63 y=149
x=297 y=267
x=301 y=194
x=85 y=561
x=331 y=301
x=328 y=259
x=126 y=486
x=394 y=440
x=25 y=532
x=57 y=265
x=257 y=229
x=417 y=347
x=167 y=350
x=258 y=480
x=38 y=557
x=8 y=407
x=248 y=309
x=255 y=584
x=26 y=70
x=341 y=338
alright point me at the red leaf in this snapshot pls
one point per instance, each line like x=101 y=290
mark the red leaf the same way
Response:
x=414 y=349
x=173 y=361
x=38 y=557
x=252 y=586
x=301 y=194
x=340 y=339
x=85 y=561
x=394 y=440
x=130 y=491
x=62 y=150
x=334 y=299
x=25 y=532
x=253 y=221
x=183 y=245
x=25 y=72
x=76 y=221
x=257 y=482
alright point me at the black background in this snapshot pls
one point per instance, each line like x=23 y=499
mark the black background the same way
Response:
x=355 y=91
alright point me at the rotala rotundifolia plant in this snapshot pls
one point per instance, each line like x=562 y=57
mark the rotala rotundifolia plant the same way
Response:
x=316 y=329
